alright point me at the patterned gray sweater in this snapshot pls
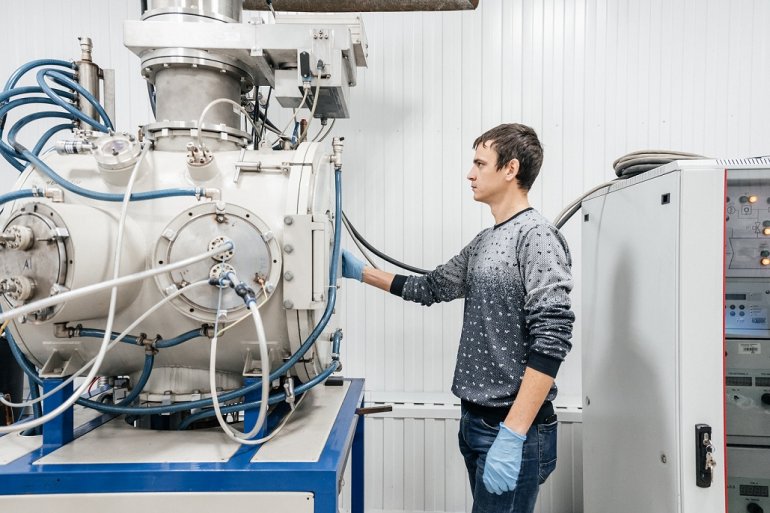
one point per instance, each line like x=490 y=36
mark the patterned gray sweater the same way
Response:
x=515 y=278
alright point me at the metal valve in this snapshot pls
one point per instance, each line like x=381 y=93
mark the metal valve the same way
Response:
x=337 y=146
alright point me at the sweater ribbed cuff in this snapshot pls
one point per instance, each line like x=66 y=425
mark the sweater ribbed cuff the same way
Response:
x=545 y=364
x=397 y=287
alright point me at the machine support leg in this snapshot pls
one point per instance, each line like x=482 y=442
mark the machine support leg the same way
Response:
x=357 y=472
x=60 y=430
x=325 y=501
x=250 y=416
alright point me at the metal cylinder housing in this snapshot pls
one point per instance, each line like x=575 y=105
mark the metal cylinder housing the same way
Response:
x=186 y=80
x=200 y=11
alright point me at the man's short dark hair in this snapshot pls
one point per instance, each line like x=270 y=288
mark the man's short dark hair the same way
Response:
x=515 y=141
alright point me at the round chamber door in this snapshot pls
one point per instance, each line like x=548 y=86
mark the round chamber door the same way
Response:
x=255 y=258
x=33 y=258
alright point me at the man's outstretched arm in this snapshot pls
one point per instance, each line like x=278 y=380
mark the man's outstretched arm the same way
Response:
x=356 y=269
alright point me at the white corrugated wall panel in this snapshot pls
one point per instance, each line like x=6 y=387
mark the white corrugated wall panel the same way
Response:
x=413 y=464
x=596 y=78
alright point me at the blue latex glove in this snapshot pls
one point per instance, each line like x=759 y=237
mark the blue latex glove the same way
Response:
x=351 y=266
x=501 y=471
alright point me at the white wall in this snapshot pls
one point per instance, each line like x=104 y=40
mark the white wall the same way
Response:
x=595 y=78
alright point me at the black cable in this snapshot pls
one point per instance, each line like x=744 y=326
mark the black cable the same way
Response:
x=379 y=253
x=153 y=98
x=265 y=120
x=254 y=119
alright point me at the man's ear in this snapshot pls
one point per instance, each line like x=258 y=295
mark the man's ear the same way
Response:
x=511 y=170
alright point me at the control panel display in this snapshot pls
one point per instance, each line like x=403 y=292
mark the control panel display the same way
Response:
x=753 y=491
x=747 y=308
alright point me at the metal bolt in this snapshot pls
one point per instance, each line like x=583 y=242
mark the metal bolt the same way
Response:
x=288 y=275
x=288 y=220
x=288 y=248
x=288 y=304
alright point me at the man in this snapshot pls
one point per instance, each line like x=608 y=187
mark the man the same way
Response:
x=517 y=324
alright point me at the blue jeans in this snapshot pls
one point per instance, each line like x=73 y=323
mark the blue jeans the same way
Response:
x=538 y=461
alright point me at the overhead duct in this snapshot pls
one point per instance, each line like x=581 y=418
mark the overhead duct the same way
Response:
x=361 y=5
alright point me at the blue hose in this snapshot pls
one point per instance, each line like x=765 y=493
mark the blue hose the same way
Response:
x=274 y=399
x=129 y=339
x=6 y=95
x=10 y=88
x=332 y=287
x=37 y=409
x=47 y=136
x=11 y=160
x=149 y=360
x=184 y=337
x=14 y=131
x=62 y=79
x=31 y=373
x=6 y=107
x=34 y=393
x=8 y=151
x=11 y=153
x=92 y=333
x=35 y=64
x=15 y=195
x=101 y=196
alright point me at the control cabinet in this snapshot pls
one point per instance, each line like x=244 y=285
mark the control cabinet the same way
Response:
x=676 y=333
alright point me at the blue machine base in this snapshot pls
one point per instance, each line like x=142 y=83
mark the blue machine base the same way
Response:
x=322 y=478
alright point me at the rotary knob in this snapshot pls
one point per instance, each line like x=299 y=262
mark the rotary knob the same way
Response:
x=754 y=508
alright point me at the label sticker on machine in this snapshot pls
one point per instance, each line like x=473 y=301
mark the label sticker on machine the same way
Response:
x=749 y=348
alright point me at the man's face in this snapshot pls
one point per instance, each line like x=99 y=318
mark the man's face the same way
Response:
x=487 y=182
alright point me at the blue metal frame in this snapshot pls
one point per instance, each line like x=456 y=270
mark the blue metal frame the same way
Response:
x=59 y=430
x=239 y=474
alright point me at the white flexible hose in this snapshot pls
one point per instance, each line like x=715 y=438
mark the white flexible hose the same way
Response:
x=123 y=280
x=233 y=434
x=110 y=316
x=312 y=112
x=280 y=426
x=294 y=117
x=215 y=102
x=583 y=196
x=112 y=344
